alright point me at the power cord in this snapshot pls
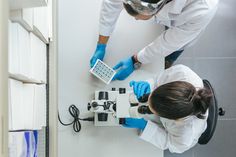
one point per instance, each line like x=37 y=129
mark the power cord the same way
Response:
x=75 y=113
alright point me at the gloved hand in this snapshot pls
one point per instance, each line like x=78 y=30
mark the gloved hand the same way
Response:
x=135 y=123
x=140 y=88
x=98 y=54
x=126 y=67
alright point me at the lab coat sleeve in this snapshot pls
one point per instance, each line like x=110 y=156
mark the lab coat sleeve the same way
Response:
x=152 y=83
x=155 y=135
x=173 y=39
x=158 y=136
x=109 y=14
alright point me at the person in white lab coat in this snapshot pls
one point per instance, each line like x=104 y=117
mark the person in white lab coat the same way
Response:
x=180 y=100
x=185 y=20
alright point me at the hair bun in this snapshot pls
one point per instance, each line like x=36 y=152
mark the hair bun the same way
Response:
x=201 y=101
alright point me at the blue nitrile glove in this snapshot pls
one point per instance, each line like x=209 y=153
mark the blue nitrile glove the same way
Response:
x=140 y=88
x=98 y=54
x=125 y=68
x=135 y=123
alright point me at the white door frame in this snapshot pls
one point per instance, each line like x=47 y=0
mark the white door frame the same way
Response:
x=53 y=84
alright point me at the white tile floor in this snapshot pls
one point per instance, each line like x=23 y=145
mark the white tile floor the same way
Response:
x=214 y=58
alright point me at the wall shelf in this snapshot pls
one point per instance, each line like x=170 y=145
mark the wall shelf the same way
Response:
x=25 y=79
x=19 y=11
x=18 y=4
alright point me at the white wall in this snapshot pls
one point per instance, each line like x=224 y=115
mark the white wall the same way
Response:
x=77 y=34
x=3 y=78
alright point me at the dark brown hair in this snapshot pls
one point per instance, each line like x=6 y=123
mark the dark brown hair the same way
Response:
x=130 y=10
x=180 y=99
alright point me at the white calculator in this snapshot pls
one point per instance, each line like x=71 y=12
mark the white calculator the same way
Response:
x=103 y=71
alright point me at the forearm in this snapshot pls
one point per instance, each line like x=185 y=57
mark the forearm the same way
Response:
x=169 y=41
x=109 y=14
x=103 y=39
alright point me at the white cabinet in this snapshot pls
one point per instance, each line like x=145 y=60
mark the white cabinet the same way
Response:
x=27 y=83
x=24 y=47
x=38 y=59
x=19 y=50
x=25 y=67
x=37 y=20
x=40 y=23
x=27 y=106
x=27 y=55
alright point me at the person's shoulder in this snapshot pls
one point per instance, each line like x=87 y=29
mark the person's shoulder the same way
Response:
x=179 y=68
x=174 y=73
x=203 y=3
x=182 y=72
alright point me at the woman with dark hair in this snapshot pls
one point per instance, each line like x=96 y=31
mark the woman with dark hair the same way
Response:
x=180 y=100
x=184 y=20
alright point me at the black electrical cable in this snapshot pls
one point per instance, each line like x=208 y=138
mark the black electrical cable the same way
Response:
x=75 y=113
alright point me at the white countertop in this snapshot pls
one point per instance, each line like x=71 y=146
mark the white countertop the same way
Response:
x=78 y=33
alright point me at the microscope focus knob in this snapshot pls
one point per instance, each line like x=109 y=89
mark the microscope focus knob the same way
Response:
x=89 y=106
x=94 y=104
x=114 y=107
x=122 y=90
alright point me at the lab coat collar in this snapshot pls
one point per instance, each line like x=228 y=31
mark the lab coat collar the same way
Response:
x=176 y=6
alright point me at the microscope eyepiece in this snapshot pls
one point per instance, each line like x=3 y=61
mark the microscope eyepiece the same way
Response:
x=144 y=110
x=122 y=90
x=103 y=95
x=144 y=98
x=102 y=117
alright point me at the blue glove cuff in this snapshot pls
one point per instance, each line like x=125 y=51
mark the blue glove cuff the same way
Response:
x=101 y=47
x=143 y=125
x=135 y=123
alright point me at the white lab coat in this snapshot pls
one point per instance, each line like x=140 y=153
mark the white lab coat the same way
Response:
x=186 y=20
x=175 y=135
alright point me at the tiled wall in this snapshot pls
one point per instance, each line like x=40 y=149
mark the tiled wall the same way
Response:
x=213 y=57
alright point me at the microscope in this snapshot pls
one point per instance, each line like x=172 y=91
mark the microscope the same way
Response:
x=111 y=107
